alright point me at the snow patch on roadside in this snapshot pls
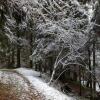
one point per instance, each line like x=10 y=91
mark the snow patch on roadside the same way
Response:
x=28 y=72
x=50 y=93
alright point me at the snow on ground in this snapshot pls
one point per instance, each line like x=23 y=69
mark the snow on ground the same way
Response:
x=50 y=93
x=20 y=85
x=28 y=72
x=7 y=77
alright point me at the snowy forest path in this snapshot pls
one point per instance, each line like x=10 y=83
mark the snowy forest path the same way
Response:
x=32 y=87
x=14 y=78
x=39 y=84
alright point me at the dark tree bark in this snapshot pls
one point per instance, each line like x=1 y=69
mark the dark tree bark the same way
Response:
x=80 y=93
x=94 y=78
x=18 y=56
x=13 y=57
x=51 y=65
x=90 y=76
x=45 y=67
x=31 y=46
x=75 y=76
x=89 y=82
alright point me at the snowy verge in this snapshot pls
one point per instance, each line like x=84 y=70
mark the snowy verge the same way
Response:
x=28 y=72
x=50 y=93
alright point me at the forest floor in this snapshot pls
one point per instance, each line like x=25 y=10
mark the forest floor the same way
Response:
x=49 y=92
x=27 y=84
x=14 y=86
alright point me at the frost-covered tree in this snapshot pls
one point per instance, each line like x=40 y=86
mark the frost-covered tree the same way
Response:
x=13 y=24
x=64 y=26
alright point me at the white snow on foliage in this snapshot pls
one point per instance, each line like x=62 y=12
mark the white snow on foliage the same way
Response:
x=50 y=93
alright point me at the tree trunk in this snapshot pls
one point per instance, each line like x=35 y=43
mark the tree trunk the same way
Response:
x=94 y=78
x=75 y=76
x=18 y=57
x=51 y=65
x=18 y=47
x=90 y=76
x=80 y=93
x=13 y=57
x=31 y=46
